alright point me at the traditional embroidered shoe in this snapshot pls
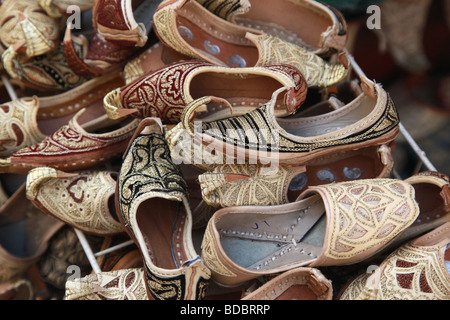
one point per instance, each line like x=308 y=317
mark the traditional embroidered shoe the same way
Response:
x=403 y=40
x=154 y=58
x=25 y=234
x=49 y=72
x=122 y=284
x=117 y=22
x=26 y=26
x=189 y=28
x=152 y=200
x=310 y=24
x=329 y=225
x=27 y=121
x=297 y=284
x=83 y=200
x=82 y=143
x=418 y=270
x=117 y=36
x=370 y=119
x=166 y=92
x=250 y=184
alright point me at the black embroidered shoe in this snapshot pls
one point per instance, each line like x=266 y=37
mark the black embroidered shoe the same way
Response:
x=259 y=136
x=152 y=198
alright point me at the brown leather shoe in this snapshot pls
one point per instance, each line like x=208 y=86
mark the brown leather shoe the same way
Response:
x=166 y=92
x=189 y=28
x=329 y=225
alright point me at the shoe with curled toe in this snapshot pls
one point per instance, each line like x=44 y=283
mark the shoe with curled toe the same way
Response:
x=87 y=140
x=329 y=225
x=251 y=184
x=371 y=119
x=152 y=199
x=83 y=200
x=313 y=25
x=189 y=28
x=29 y=120
x=244 y=88
x=417 y=270
x=297 y=284
x=122 y=284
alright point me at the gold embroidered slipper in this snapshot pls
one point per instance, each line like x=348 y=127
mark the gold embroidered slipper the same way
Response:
x=329 y=225
x=83 y=200
x=152 y=199
x=313 y=25
x=418 y=270
x=251 y=184
x=166 y=92
x=82 y=143
x=27 y=121
x=259 y=137
x=189 y=28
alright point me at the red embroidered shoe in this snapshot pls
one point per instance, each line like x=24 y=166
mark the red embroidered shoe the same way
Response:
x=166 y=92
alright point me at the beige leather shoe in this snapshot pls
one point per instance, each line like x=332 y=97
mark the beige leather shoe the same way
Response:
x=251 y=184
x=329 y=225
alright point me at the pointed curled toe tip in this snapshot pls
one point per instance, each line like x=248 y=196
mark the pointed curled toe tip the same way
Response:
x=37 y=176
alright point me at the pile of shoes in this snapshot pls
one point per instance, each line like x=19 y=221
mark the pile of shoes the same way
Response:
x=230 y=140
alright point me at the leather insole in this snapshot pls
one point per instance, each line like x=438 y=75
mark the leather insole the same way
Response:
x=159 y=221
x=358 y=164
x=431 y=204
